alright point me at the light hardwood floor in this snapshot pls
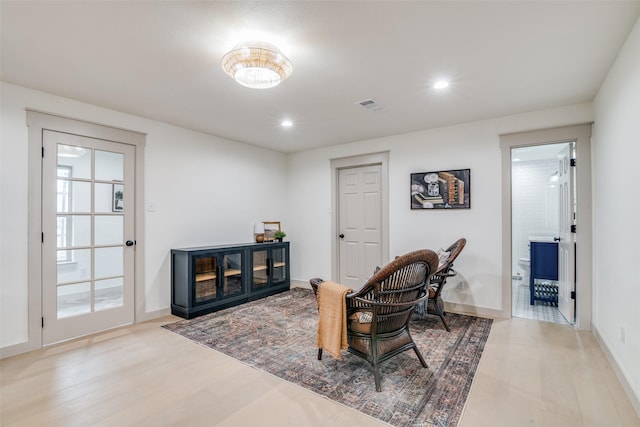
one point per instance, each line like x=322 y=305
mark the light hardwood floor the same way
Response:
x=532 y=373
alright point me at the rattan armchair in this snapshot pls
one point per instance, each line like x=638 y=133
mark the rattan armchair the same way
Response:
x=378 y=314
x=435 y=305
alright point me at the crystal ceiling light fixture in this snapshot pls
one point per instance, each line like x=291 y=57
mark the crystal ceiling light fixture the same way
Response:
x=257 y=65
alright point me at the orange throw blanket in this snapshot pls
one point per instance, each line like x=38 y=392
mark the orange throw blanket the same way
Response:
x=332 y=317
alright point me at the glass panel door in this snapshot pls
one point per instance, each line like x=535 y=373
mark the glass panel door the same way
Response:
x=260 y=270
x=232 y=281
x=206 y=282
x=87 y=267
x=279 y=261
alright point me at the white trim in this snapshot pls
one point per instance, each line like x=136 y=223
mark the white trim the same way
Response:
x=472 y=310
x=381 y=159
x=635 y=401
x=580 y=133
x=37 y=121
x=152 y=315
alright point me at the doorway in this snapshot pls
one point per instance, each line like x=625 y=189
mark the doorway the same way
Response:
x=360 y=221
x=86 y=228
x=581 y=275
x=538 y=186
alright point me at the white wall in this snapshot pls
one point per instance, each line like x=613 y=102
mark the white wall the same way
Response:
x=206 y=190
x=472 y=145
x=616 y=151
x=534 y=202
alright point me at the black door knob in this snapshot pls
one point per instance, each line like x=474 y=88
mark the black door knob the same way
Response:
x=129 y=243
x=341 y=236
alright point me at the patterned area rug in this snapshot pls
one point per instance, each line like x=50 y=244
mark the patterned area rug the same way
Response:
x=277 y=335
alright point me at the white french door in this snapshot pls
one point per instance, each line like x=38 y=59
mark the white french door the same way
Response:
x=88 y=235
x=360 y=223
x=566 y=243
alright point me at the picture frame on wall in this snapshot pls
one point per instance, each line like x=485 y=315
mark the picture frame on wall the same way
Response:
x=270 y=228
x=449 y=189
x=117 y=198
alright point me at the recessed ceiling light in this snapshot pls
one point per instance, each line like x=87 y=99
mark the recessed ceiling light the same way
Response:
x=441 y=84
x=286 y=123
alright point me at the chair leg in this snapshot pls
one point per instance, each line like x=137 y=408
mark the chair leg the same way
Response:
x=443 y=321
x=376 y=374
x=440 y=313
x=319 y=354
x=424 y=364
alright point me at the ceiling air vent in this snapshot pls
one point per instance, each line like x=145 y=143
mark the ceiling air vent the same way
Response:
x=370 y=104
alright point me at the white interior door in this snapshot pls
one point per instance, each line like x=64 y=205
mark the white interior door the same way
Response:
x=566 y=244
x=88 y=235
x=360 y=223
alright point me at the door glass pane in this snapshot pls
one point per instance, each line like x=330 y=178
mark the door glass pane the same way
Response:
x=109 y=230
x=76 y=266
x=109 y=197
x=76 y=159
x=206 y=278
x=109 y=293
x=108 y=262
x=232 y=274
x=74 y=299
x=73 y=196
x=73 y=230
x=279 y=266
x=109 y=166
x=260 y=278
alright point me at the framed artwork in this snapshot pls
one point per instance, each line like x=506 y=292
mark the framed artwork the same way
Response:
x=441 y=189
x=117 y=198
x=270 y=228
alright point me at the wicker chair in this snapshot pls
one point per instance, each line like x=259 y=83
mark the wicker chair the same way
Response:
x=435 y=305
x=379 y=313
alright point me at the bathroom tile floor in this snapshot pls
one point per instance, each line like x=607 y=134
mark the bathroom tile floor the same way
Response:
x=540 y=311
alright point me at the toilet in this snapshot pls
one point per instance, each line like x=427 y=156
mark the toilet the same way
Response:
x=524 y=264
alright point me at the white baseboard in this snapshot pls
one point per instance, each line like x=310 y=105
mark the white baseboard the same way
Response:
x=14 y=350
x=635 y=401
x=472 y=310
x=300 y=284
x=152 y=315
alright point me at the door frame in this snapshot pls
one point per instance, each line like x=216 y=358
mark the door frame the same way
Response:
x=337 y=164
x=37 y=121
x=581 y=134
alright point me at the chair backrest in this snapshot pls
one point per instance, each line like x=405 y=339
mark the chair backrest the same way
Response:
x=446 y=270
x=393 y=291
x=455 y=249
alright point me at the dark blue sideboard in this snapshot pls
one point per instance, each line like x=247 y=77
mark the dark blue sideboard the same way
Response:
x=544 y=266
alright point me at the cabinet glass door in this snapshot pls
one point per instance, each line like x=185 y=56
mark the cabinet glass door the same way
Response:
x=260 y=270
x=279 y=269
x=232 y=278
x=206 y=279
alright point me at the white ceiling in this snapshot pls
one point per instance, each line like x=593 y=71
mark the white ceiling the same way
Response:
x=161 y=60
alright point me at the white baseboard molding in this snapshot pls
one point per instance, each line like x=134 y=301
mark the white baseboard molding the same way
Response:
x=25 y=347
x=635 y=400
x=300 y=284
x=472 y=310
x=152 y=315
x=15 y=349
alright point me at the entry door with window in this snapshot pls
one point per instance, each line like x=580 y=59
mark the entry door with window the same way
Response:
x=360 y=223
x=88 y=235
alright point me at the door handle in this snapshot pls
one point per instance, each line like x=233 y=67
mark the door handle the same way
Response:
x=341 y=236
x=130 y=243
x=556 y=239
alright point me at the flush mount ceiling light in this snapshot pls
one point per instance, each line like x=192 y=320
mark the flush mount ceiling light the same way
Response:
x=257 y=65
